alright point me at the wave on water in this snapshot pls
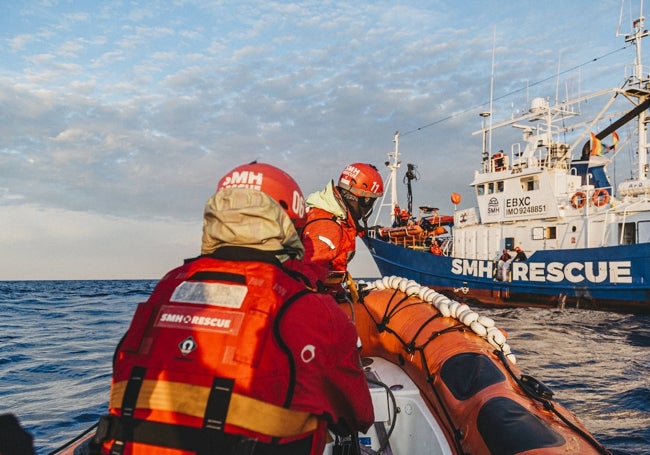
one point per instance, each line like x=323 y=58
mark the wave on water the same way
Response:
x=57 y=344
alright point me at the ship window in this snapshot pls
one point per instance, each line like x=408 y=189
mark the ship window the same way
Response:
x=551 y=232
x=490 y=187
x=530 y=183
x=540 y=233
x=480 y=190
x=500 y=186
x=629 y=233
x=644 y=231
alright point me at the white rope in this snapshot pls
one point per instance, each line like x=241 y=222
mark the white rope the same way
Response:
x=483 y=326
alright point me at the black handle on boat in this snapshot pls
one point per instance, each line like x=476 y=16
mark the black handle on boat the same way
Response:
x=536 y=387
x=73 y=440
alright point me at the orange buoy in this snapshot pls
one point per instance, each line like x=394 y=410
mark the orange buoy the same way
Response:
x=600 y=197
x=579 y=200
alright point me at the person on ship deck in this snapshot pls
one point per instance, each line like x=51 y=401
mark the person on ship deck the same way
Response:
x=520 y=255
x=436 y=248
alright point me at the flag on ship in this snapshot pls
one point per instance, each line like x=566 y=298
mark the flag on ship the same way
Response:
x=599 y=149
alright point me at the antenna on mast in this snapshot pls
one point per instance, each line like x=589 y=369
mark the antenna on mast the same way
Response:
x=487 y=129
x=494 y=45
x=393 y=164
x=639 y=81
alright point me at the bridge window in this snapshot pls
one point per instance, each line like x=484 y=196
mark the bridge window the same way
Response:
x=529 y=183
x=628 y=231
x=644 y=231
x=541 y=233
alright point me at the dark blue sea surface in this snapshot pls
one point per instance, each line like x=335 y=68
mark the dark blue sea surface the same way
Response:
x=57 y=340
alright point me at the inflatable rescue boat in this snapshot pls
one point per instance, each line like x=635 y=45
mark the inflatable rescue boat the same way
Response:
x=443 y=380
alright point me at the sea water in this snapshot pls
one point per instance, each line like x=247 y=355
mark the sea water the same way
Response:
x=57 y=340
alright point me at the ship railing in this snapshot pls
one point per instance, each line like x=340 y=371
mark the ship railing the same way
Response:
x=413 y=237
x=630 y=75
x=447 y=245
x=540 y=158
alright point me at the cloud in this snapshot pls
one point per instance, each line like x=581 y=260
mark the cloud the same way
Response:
x=19 y=42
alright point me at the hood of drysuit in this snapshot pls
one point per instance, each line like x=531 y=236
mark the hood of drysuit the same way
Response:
x=328 y=200
x=250 y=218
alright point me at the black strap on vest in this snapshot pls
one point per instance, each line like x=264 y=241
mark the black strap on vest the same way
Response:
x=218 y=276
x=241 y=253
x=200 y=440
x=214 y=421
x=129 y=401
x=197 y=440
x=218 y=402
x=208 y=440
x=132 y=391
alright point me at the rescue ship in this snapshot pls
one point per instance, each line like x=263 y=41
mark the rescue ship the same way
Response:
x=586 y=243
x=443 y=381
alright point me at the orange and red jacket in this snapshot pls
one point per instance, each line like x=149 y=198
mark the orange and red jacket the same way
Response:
x=329 y=241
x=234 y=346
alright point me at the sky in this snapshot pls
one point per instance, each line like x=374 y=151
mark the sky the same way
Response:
x=119 y=117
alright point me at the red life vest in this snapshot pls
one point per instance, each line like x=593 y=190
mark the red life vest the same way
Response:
x=203 y=359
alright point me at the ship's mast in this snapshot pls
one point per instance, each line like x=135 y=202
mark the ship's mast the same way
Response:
x=392 y=164
x=641 y=83
x=393 y=176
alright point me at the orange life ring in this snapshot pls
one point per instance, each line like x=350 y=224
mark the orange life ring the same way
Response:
x=600 y=197
x=579 y=200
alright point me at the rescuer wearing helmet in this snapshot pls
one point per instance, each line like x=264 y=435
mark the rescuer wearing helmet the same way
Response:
x=231 y=353
x=334 y=220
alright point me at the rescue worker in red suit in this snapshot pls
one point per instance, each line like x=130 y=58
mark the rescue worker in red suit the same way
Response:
x=233 y=353
x=334 y=220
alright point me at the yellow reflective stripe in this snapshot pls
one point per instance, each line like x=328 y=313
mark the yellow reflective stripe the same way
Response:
x=166 y=396
x=244 y=412
x=268 y=419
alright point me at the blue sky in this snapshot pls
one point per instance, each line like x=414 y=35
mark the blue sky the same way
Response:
x=119 y=117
